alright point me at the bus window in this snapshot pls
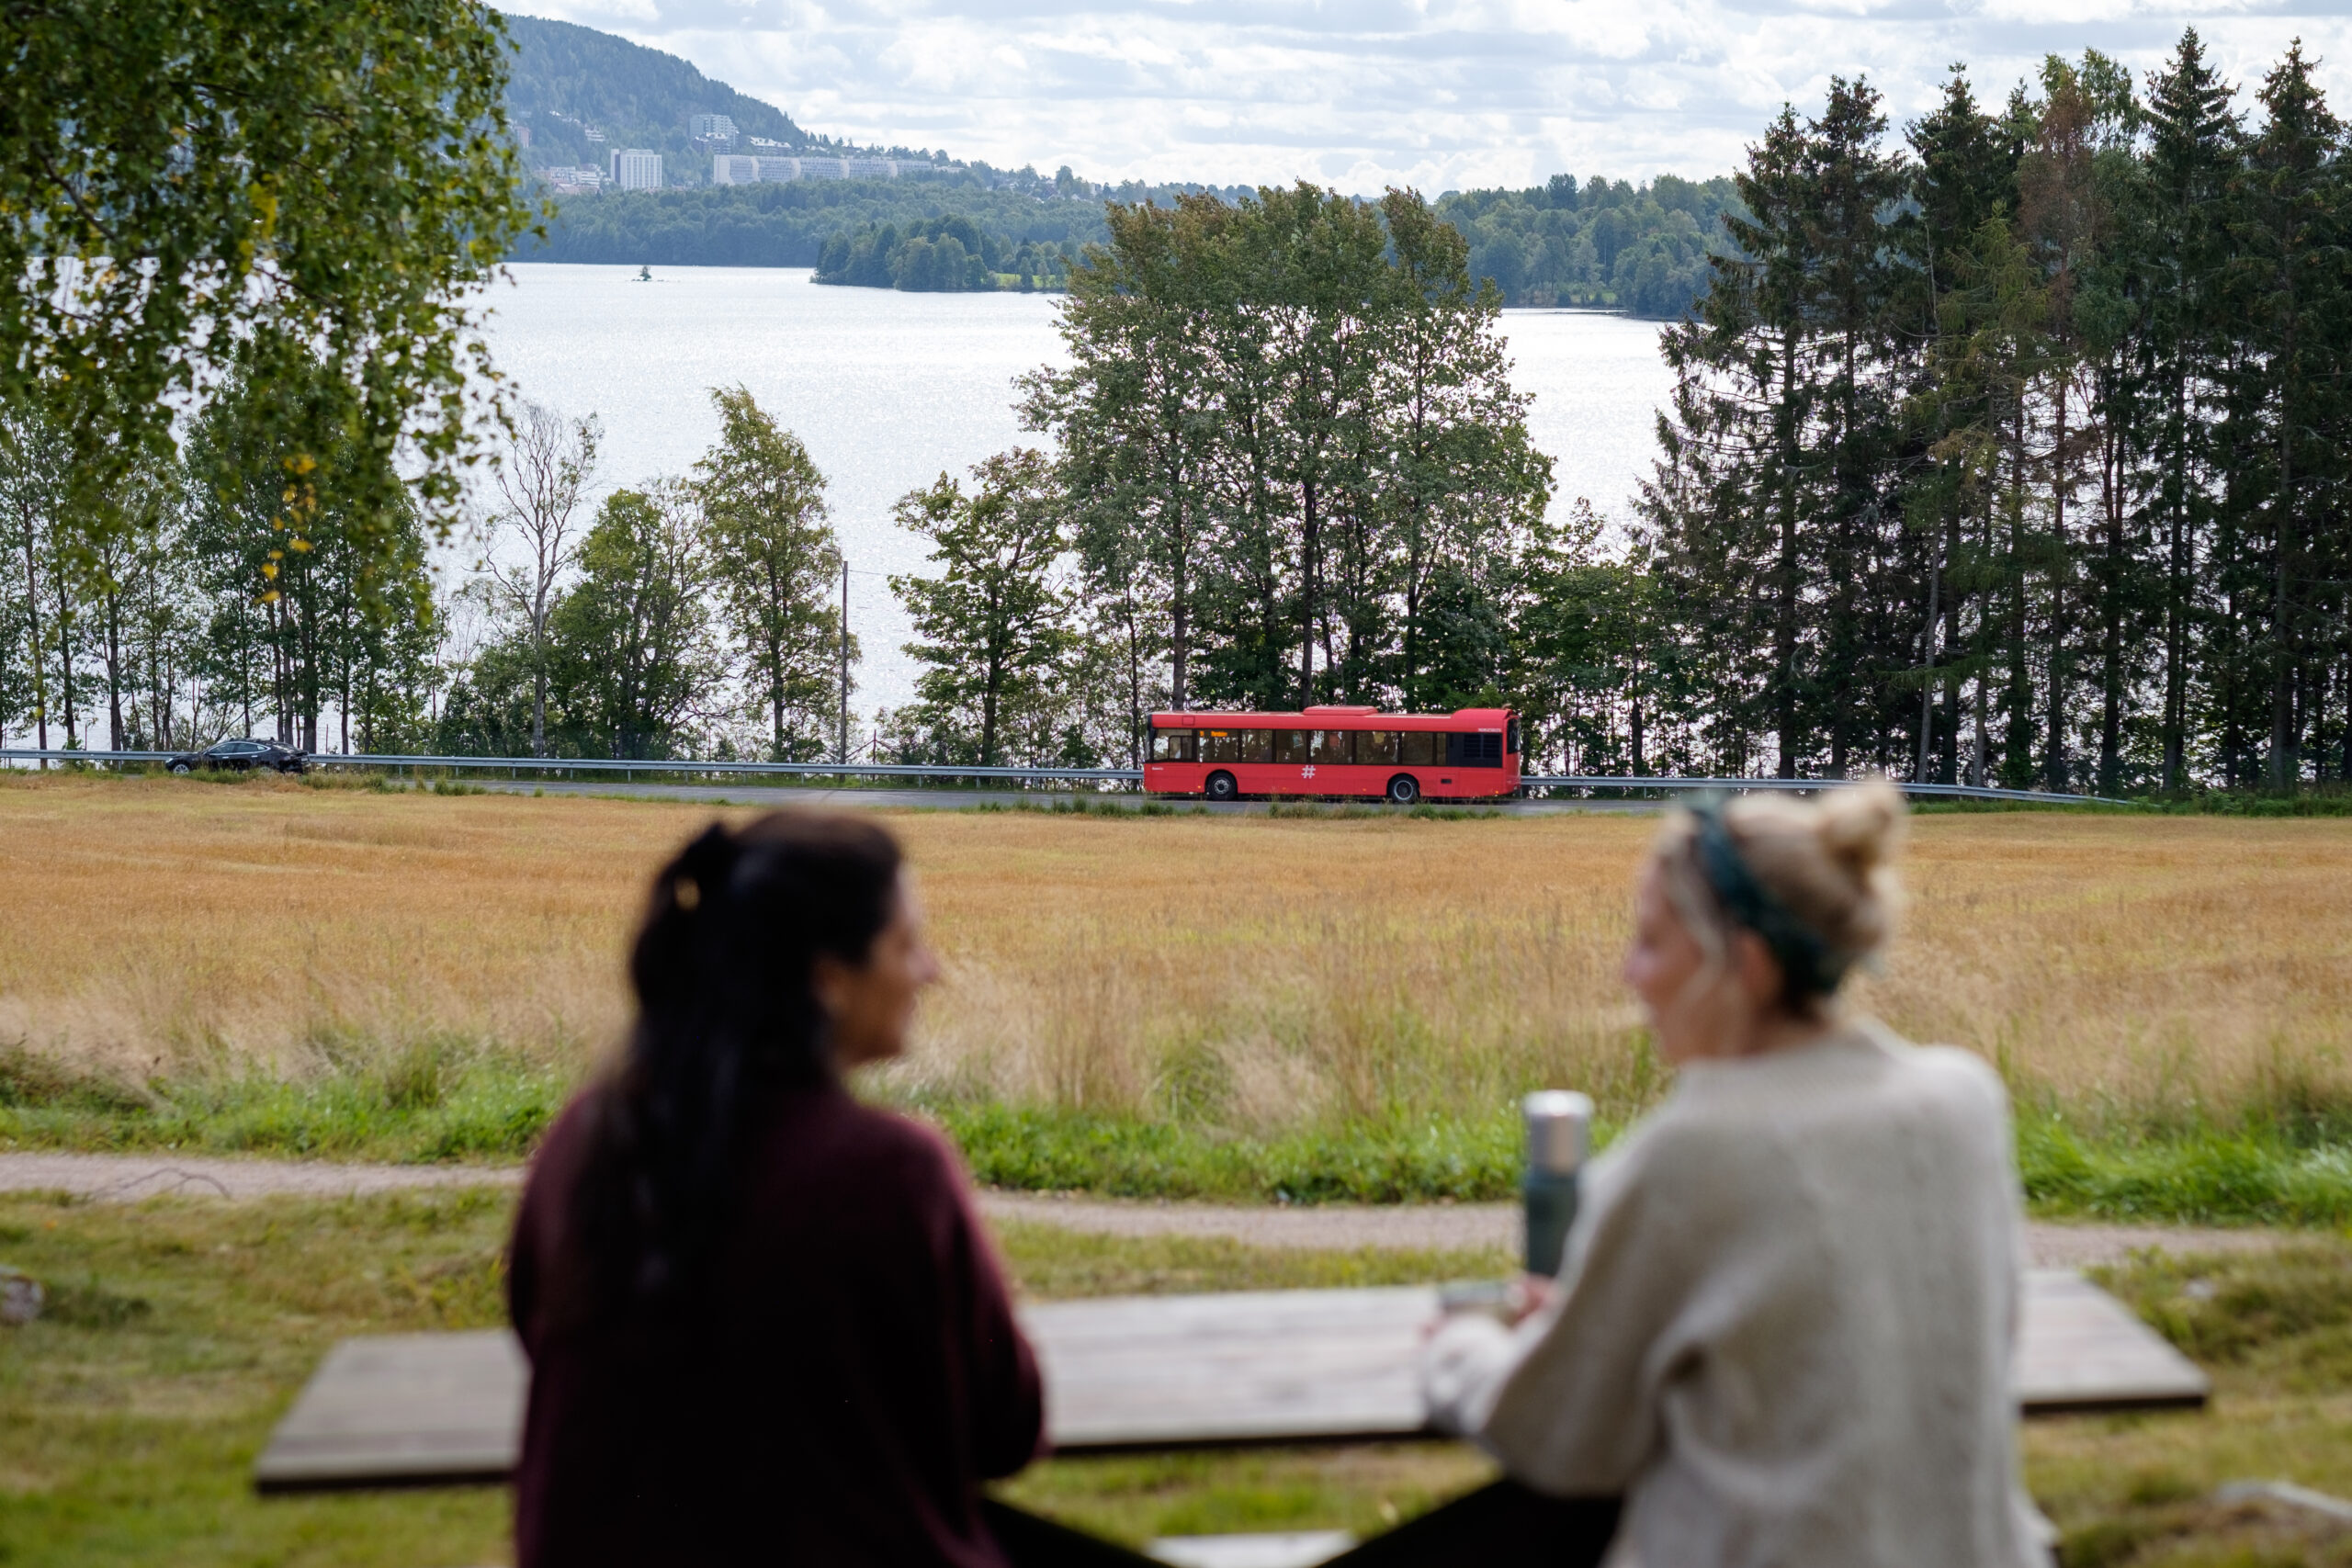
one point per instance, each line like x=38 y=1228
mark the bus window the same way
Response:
x=1257 y=746
x=1291 y=745
x=1475 y=751
x=1171 y=745
x=1420 y=748
x=1219 y=745
x=1335 y=746
x=1511 y=739
x=1376 y=747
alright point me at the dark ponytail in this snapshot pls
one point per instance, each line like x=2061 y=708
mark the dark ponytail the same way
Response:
x=726 y=1018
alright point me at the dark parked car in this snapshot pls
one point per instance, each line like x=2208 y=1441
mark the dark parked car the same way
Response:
x=241 y=755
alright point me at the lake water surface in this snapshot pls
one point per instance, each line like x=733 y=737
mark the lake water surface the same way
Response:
x=889 y=388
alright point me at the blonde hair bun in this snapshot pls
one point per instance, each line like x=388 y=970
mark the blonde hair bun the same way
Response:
x=1830 y=860
x=1861 y=826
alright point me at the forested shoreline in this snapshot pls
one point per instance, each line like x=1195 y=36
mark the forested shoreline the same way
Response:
x=1644 y=249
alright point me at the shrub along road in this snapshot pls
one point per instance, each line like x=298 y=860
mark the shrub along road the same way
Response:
x=1420 y=1226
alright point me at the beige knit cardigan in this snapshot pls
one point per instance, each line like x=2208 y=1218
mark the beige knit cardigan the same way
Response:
x=1784 y=1325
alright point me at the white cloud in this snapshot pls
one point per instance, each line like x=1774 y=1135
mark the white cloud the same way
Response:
x=1440 y=94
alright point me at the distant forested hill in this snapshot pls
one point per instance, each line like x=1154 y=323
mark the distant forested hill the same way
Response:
x=1641 y=249
x=787 y=225
x=567 y=80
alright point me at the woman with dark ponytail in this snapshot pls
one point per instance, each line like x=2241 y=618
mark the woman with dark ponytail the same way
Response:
x=765 y=1323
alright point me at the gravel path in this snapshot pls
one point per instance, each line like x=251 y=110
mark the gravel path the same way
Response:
x=128 y=1178
x=125 y=1179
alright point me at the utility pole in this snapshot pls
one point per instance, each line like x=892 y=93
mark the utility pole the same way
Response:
x=844 y=724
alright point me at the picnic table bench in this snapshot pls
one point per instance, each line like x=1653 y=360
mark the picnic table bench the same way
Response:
x=1126 y=1373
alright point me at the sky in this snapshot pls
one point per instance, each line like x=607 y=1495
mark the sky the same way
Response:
x=1439 y=96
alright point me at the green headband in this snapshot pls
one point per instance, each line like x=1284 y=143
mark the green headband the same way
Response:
x=1810 y=966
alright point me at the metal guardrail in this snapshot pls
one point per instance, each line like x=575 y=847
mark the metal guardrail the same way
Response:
x=629 y=767
x=1958 y=792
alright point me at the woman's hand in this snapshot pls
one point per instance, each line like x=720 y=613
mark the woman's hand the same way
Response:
x=1510 y=1303
x=1529 y=1294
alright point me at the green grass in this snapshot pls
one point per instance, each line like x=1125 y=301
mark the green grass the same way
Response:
x=1091 y=806
x=2275 y=1331
x=1042 y=1150
x=450 y=1102
x=435 y=1103
x=130 y=1414
x=182 y=1329
x=130 y=1417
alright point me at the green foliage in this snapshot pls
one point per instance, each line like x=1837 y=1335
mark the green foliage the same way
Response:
x=320 y=589
x=248 y=579
x=2259 y=1173
x=631 y=639
x=994 y=622
x=298 y=182
x=2012 y=458
x=1067 y=1151
x=1644 y=249
x=945 y=254
x=431 y=1104
x=774 y=560
x=1295 y=467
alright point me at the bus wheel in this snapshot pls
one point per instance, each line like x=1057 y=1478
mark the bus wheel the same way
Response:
x=1404 y=789
x=1222 y=788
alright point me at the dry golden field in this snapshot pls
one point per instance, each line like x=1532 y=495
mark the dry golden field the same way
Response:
x=1248 y=972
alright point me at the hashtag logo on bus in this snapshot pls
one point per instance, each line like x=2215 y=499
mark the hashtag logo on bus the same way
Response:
x=1307 y=771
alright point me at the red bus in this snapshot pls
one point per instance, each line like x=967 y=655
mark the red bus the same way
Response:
x=1472 y=754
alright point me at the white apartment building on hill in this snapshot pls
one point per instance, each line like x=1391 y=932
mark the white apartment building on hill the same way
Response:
x=573 y=180
x=637 y=168
x=745 y=169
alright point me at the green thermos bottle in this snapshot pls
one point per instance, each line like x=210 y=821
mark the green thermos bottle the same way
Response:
x=1559 y=1131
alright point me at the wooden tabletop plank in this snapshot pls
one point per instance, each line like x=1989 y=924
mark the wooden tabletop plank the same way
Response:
x=1135 y=1372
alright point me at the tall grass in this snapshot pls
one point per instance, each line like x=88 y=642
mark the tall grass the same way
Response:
x=1311 y=1006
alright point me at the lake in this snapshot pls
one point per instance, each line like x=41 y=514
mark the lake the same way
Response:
x=889 y=388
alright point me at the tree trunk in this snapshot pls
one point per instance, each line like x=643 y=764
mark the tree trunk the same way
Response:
x=1309 y=540
x=32 y=629
x=1927 y=685
x=2055 y=749
x=2286 y=767
x=63 y=621
x=1785 y=628
x=2110 y=728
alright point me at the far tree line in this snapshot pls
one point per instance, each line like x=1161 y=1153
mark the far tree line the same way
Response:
x=1599 y=244
x=2018 y=450
x=1383 y=507
x=2013 y=452
x=242 y=594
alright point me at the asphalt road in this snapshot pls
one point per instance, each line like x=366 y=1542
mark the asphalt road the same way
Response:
x=965 y=799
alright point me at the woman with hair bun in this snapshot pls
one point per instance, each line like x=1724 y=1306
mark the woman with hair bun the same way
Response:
x=1783 y=1323
x=764 y=1322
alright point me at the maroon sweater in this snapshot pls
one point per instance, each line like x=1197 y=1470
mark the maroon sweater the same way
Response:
x=858 y=1376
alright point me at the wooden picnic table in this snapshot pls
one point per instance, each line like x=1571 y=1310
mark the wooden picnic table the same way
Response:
x=1125 y=1373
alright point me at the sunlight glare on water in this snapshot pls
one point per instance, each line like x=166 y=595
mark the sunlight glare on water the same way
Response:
x=889 y=388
